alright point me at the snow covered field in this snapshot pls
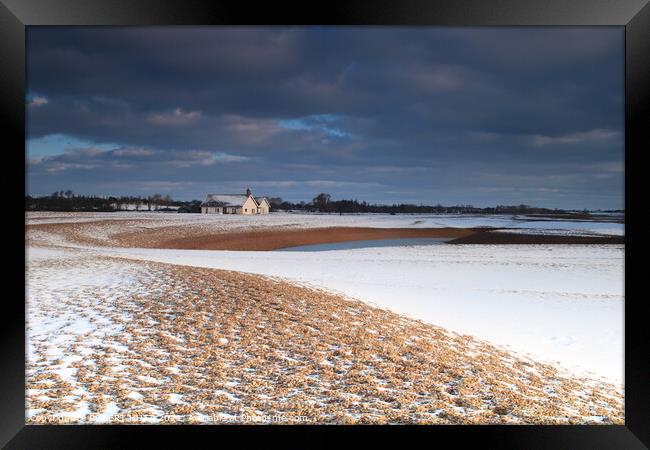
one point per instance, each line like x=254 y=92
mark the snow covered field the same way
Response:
x=112 y=340
x=71 y=318
x=560 y=303
x=553 y=303
x=556 y=302
x=295 y=220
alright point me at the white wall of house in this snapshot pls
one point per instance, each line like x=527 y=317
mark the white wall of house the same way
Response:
x=263 y=208
x=249 y=206
x=211 y=210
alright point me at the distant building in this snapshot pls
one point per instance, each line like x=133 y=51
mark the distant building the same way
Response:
x=263 y=205
x=235 y=204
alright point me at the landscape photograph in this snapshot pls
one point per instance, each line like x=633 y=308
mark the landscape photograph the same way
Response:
x=324 y=225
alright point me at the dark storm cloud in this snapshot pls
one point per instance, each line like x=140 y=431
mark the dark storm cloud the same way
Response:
x=482 y=116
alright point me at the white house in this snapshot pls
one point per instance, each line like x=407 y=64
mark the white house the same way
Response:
x=263 y=205
x=235 y=204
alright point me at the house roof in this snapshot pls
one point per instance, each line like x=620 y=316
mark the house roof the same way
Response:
x=225 y=200
x=259 y=200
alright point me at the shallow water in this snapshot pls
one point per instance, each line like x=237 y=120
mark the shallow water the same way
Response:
x=403 y=242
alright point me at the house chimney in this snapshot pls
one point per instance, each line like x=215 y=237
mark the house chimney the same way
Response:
x=249 y=192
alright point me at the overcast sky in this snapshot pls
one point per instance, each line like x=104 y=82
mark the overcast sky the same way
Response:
x=480 y=116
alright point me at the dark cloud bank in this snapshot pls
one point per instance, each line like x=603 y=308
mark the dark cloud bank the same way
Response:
x=423 y=115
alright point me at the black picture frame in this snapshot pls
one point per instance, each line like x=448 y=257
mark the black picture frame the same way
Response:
x=634 y=15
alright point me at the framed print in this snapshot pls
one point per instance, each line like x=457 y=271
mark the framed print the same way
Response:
x=364 y=215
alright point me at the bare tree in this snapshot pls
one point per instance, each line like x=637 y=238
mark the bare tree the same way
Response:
x=155 y=200
x=321 y=201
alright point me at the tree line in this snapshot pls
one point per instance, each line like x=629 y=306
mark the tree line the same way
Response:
x=323 y=203
x=68 y=201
